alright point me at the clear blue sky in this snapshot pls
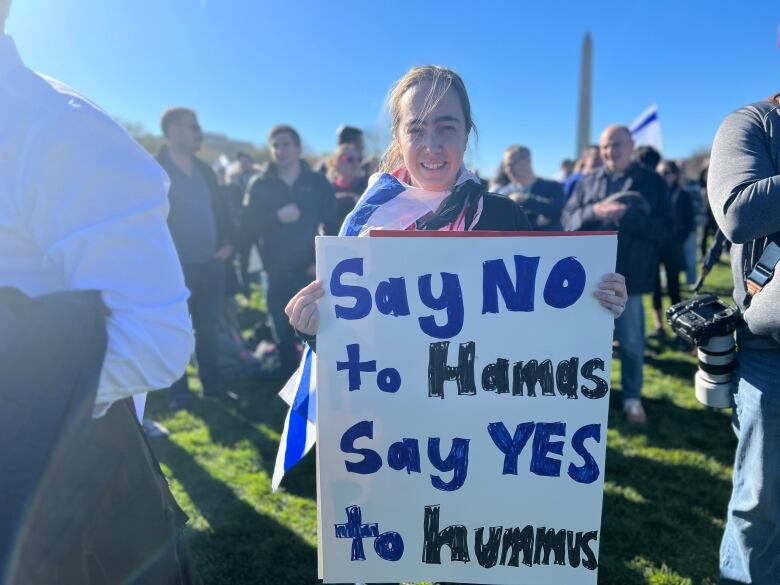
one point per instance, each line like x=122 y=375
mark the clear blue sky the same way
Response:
x=245 y=65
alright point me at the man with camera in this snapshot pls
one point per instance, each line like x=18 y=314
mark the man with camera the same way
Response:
x=744 y=194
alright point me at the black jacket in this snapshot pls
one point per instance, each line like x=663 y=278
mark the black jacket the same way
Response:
x=672 y=254
x=642 y=229
x=543 y=204
x=288 y=247
x=681 y=202
x=227 y=232
x=500 y=214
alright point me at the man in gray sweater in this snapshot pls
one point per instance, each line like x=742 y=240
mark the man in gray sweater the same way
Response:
x=744 y=193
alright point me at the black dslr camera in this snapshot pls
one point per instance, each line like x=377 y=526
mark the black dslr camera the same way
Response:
x=709 y=323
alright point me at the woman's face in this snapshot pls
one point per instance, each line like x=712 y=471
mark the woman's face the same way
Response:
x=433 y=147
x=348 y=163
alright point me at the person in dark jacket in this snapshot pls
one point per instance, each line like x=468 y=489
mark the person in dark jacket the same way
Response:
x=624 y=196
x=744 y=192
x=709 y=225
x=647 y=156
x=288 y=204
x=541 y=199
x=205 y=237
x=671 y=253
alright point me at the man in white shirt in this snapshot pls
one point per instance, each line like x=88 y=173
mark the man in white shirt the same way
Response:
x=83 y=207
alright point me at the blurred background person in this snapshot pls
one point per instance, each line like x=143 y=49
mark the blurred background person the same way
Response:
x=351 y=135
x=540 y=199
x=625 y=196
x=243 y=171
x=697 y=205
x=648 y=157
x=587 y=163
x=500 y=180
x=566 y=170
x=709 y=226
x=205 y=237
x=220 y=167
x=287 y=205
x=345 y=173
x=671 y=254
x=356 y=137
x=237 y=177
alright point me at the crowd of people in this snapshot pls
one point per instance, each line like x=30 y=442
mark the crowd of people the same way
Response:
x=277 y=208
x=117 y=267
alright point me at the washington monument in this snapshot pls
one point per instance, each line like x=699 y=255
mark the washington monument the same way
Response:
x=586 y=72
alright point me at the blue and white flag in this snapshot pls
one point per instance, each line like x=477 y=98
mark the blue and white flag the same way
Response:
x=389 y=203
x=646 y=129
x=300 y=428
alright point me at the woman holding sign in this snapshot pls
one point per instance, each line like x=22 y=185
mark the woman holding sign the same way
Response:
x=425 y=185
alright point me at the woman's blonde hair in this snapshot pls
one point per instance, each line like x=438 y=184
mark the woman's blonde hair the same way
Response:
x=441 y=80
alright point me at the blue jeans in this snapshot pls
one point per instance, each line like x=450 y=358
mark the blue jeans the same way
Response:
x=750 y=550
x=630 y=333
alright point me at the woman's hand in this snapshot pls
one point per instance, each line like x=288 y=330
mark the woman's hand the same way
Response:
x=302 y=310
x=612 y=293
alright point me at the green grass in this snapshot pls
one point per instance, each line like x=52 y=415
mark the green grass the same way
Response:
x=666 y=485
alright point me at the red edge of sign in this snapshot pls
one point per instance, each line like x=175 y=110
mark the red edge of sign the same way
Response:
x=478 y=234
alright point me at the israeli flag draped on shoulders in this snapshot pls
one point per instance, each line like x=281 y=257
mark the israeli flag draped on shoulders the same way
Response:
x=389 y=203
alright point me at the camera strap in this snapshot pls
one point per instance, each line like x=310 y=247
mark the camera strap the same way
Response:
x=765 y=268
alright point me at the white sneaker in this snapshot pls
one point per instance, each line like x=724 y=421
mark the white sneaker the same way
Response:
x=634 y=411
x=153 y=429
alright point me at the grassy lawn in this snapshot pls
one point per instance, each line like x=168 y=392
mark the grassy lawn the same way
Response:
x=666 y=485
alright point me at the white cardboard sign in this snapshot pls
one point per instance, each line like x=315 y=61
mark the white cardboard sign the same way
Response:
x=462 y=408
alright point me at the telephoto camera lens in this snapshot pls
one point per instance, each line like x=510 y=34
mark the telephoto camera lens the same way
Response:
x=715 y=378
x=709 y=323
